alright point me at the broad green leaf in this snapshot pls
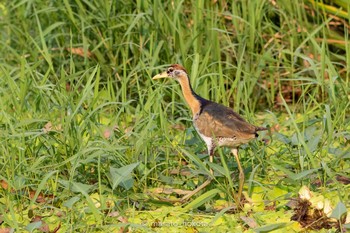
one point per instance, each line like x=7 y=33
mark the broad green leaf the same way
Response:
x=309 y=133
x=275 y=193
x=271 y=227
x=295 y=140
x=122 y=176
x=42 y=184
x=201 y=165
x=202 y=199
x=69 y=204
x=313 y=142
x=217 y=168
x=283 y=138
x=302 y=174
x=281 y=168
x=76 y=186
x=339 y=211
x=327 y=169
x=220 y=214
x=33 y=225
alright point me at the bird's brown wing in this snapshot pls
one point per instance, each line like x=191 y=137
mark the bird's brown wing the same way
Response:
x=220 y=121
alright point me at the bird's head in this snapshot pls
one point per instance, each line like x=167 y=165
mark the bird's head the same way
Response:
x=175 y=71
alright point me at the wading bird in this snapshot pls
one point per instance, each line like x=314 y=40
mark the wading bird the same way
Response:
x=216 y=124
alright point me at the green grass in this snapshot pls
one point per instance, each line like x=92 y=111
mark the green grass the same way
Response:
x=87 y=137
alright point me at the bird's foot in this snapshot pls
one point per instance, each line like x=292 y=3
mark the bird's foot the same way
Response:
x=240 y=200
x=186 y=193
x=190 y=194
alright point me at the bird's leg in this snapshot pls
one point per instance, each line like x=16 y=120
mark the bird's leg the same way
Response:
x=206 y=183
x=211 y=159
x=241 y=175
x=202 y=186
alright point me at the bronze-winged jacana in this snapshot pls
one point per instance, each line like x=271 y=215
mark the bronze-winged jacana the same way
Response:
x=216 y=124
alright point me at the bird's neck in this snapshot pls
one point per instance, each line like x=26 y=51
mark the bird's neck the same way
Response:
x=192 y=99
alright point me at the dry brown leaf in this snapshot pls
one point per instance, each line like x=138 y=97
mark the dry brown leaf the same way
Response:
x=170 y=191
x=36 y=218
x=180 y=127
x=50 y=127
x=343 y=179
x=68 y=87
x=107 y=133
x=80 y=51
x=183 y=172
x=5 y=230
x=60 y=214
x=44 y=226
x=4 y=184
x=113 y=214
x=122 y=219
x=42 y=198
x=56 y=228
x=249 y=221
x=275 y=128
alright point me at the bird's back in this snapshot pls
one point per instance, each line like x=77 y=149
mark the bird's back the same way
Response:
x=221 y=122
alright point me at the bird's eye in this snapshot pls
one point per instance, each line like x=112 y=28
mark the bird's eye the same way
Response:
x=170 y=70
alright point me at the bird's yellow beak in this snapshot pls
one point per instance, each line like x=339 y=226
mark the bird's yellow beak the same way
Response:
x=161 y=75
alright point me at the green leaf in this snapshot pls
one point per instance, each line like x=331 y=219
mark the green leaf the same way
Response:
x=42 y=184
x=327 y=169
x=309 y=133
x=202 y=199
x=69 y=204
x=339 y=211
x=281 y=168
x=283 y=138
x=76 y=186
x=220 y=214
x=122 y=176
x=33 y=225
x=295 y=140
x=314 y=142
x=347 y=226
x=217 y=168
x=271 y=227
x=302 y=174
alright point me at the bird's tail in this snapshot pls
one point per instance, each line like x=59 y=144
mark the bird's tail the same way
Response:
x=265 y=140
x=261 y=128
